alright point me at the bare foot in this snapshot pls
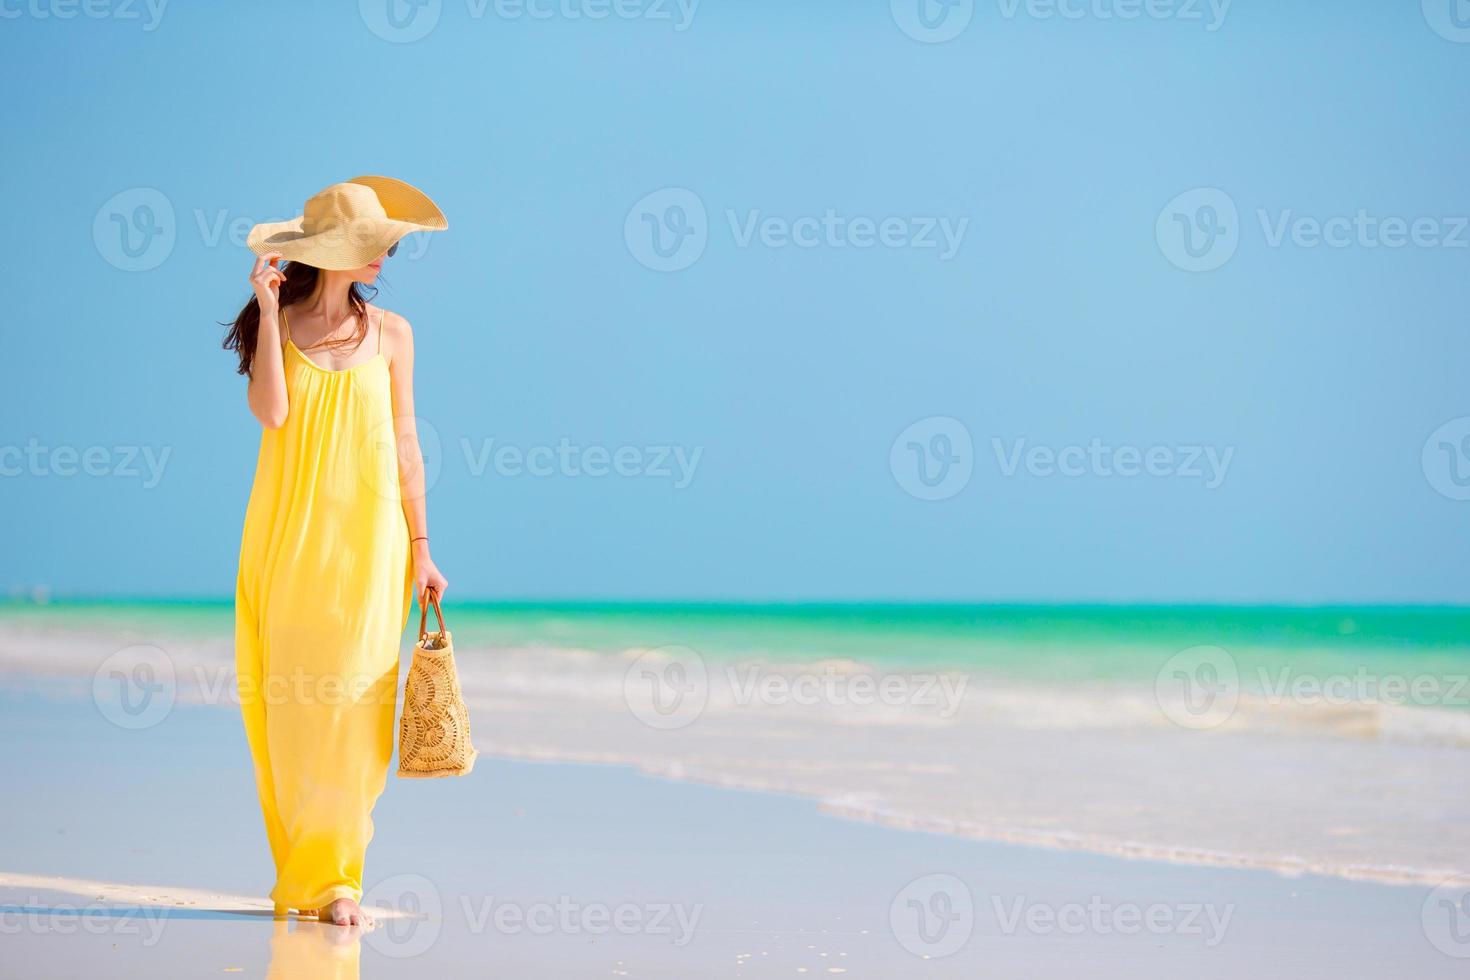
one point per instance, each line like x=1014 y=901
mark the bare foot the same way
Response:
x=345 y=912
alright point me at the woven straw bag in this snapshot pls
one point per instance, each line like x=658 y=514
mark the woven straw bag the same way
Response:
x=434 y=733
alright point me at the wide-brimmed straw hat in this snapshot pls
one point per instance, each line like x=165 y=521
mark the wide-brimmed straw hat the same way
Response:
x=350 y=224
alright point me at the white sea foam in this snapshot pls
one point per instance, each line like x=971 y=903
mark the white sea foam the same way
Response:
x=1365 y=790
x=1361 y=789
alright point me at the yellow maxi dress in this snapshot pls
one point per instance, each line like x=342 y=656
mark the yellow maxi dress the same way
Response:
x=322 y=598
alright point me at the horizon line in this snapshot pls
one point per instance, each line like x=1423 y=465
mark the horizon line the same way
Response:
x=809 y=603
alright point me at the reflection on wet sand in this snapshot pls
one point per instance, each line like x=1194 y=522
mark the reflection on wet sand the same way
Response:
x=301 y=948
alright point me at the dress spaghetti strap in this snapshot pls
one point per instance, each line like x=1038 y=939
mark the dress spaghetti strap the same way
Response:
x=286 y=325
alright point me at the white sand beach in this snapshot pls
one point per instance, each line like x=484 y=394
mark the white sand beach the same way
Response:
x=574 y=871
x=756 y=836
x=1367 y=791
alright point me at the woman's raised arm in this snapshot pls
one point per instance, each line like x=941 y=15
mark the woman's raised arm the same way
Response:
x=267 y=389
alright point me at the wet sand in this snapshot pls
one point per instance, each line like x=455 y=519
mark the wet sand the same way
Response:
x=1366 y=791
x=569 y=870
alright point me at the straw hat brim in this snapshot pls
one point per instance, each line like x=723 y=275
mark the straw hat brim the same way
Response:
x=347 y=246
x=353 y=244
x=404 y=202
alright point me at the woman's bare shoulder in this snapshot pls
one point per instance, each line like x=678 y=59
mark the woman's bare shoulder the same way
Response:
x=397 y=332
x=393 y=323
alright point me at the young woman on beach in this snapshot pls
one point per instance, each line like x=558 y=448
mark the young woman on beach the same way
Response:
x=335 y=542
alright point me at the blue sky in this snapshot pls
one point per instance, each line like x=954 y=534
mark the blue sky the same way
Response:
x=1168 y=307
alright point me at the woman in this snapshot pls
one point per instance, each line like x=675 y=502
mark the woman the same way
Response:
x=335 y=542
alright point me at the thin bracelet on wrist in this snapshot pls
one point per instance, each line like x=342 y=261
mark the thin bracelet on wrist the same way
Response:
x=422 y=538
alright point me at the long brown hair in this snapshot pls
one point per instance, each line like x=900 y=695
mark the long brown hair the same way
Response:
x=300 y=281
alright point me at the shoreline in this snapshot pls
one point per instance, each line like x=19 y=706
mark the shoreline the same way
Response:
x=707 y=881
x=1060 y=841
x=1083 y=769
x=169 y=898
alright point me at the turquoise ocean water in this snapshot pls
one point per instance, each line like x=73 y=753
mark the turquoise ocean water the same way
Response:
x=1046 y=643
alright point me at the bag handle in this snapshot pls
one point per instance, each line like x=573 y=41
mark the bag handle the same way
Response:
x=432 y=595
